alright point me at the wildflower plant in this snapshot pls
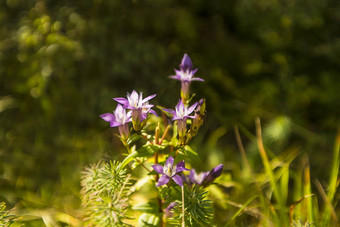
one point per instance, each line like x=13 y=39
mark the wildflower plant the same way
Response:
x=161 y=151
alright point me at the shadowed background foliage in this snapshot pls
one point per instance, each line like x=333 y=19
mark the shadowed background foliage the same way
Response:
x=61 y=62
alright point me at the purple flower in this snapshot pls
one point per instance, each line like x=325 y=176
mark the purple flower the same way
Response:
x=140 y=107
x=119 y=118
x=205 y=177
x=169 y=171
x=186 y=75
x=181 y=114
x=198 y=178
x=214 y=173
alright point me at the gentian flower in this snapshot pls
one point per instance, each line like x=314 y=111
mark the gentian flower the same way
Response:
x=214 y=173
x=197 y=178
x=139 y=106
x=181 y=114
x=205 y=178
x=119 y=118
x=170 y=171
x=186 y=75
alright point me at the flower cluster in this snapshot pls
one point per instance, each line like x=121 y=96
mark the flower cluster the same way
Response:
x=139 y=109
x=170 y=171
x=188 y=118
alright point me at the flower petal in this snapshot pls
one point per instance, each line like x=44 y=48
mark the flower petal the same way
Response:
x=176 y=77
x=191 y=108
x=180 y=105
x=186 y=63
x=148 y=98
x=197 y=79
x=169 y=161
x=153 y=112
x=170 y=111
x=114 y=124
x=123 y=101
x=192 y=175
x=181 y=167
x=158 y=168
x=108 y=117
x=164 y=179
x=178 y=180
x=214 y=173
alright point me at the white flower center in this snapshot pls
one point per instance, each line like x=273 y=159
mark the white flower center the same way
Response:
x=170 y=170
x=181 y=111
x=186 y=75
x=135 y=100
x=199 y=177
x=120 y=114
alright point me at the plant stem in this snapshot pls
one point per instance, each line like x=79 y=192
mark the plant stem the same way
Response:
x=142 y=164
x=183 y=220
x=164 y=134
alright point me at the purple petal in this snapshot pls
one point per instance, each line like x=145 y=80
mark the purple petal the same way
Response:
x=123 y=101
x=192 y=175
x=143 y=116
x=108 y=117
x=191 y=108
x=205 y=174
x=186 y=179
x=177 y=77
x=214 y=173
x=172 y=112
x=153 y=112
x=176 y=118
x=114 y=124
x=217 y=171
x=181 y=167
x=169 y=161
x=198 y=178
x=186 y=63
x=178 y=72
x=158 y=168
x=179 y=105
x=148 y=98
x=178 y=180
x=197 y=79
x=164 y=179
x=194 y=71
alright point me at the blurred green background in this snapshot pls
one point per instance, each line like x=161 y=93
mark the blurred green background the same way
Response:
x=62 y=62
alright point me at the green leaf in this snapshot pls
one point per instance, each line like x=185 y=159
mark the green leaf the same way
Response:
x=134 y=137
x=147 y=219
x=240 y=210
x=128 y=159
x=145 y=151
x=190 y=153
x=149 y=207
x=174 y=142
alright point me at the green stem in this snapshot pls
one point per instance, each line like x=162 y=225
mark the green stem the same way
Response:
x=183 y=210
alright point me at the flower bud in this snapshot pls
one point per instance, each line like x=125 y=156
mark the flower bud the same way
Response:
x=199 y=116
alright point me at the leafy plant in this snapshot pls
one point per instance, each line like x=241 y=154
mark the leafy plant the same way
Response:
x=6 y=219
x=105 y=194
